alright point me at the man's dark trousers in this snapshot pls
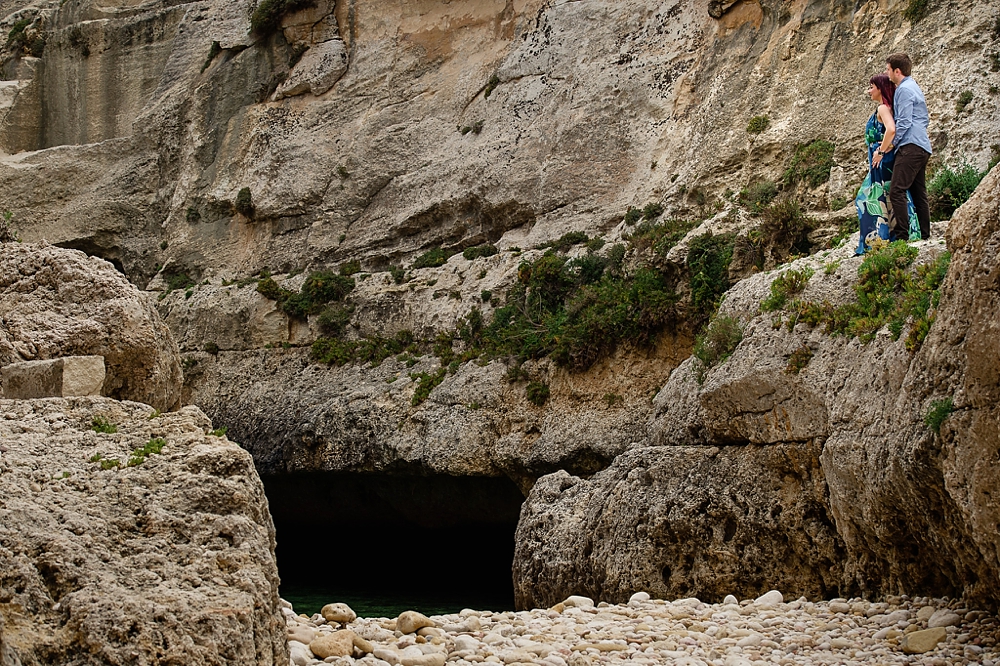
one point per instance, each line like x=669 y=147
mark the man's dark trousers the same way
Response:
x=908 y=174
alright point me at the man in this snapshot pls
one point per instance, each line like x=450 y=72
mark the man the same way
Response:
x=912 y=147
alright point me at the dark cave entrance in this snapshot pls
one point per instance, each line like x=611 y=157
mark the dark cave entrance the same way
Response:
x=384 y=543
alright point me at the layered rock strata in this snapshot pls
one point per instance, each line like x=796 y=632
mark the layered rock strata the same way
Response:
x=147 y=543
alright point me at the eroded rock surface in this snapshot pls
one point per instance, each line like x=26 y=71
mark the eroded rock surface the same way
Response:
x=691 y=521
x=56 y=302
x=106 y=559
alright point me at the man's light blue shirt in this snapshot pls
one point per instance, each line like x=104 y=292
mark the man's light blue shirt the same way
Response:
x=910 y=111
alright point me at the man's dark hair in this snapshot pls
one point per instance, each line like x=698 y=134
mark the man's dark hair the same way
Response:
x=900 y=61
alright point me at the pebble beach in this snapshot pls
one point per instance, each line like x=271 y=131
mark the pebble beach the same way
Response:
x=686 y=632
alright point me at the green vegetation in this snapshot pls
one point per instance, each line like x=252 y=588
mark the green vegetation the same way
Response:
x=950 y=189
x=398 y=274
x=939 y=411
x=214 y=51
x=371 y=350
x=887 y=294
x=758 y=124
x=632 y=215
x=491 y=85
x=344 y=175
x=16 y=38
x=96 y=457
x=244 y=203
x=756 y=197
x=110 y=463
x=537 y=393
x=473 y=253
x=612 y=399
x=333 y=320
x=717 y=342
x=786 y=228
x=320 y=288
x=103 y=425
x=708 y=264
x=139 y=455
x=652 y=210
x=995 y=61
x=964 y=99
x=349 y=268
x=433 y=258
x=811 y=164
x=155 y=415
x=485 y=295
x=566 y=241
x=915 y=10
x=7 y=232
x=660 y=237
x=266 y=18
x=219 y=432
x=789 y=283
x=798 y=360
x=425 y=384
x=212 y=348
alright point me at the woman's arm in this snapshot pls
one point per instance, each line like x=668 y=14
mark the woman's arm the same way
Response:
x=885 y=116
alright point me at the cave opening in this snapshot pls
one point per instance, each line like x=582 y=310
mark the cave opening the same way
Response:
x=388 y=543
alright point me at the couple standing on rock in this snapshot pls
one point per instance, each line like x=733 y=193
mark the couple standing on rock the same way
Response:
x=898 y=150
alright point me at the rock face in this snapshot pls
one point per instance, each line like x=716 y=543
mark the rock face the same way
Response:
x=681 y=521
x=904 y=496
x=883 y=502
x=56 y=302
x=167 y=559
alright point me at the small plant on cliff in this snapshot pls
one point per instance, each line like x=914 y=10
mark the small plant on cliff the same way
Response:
x=758 y=124
x=789 y=283
x=211 y=348
x=472 y=253
x=7 y=232
x=320 y=288
x=757 y=196
x=939 y=411
x=266 y=18
x=219 y=432
x=708 y=264
x=491 y=85
x=717 y=343
x=16 y=38
x=950 y=189
x=798 y=360
x=110 y=463
x=244 y=203
x=964 y=99
x=537 y=393
x=349 y=268
x=155 y=445
x=632 y=215
x=811 y=164
x=915 y=10
x=103 y=425
x=433 y=258
x=425 y=384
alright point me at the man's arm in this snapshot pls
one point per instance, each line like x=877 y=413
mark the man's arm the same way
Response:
x=904 y=113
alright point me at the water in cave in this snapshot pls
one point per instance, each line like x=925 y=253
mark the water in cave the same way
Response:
x=384 y=544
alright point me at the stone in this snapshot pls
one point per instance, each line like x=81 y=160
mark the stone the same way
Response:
x=730 y=599
x=840 y=607
x=944 y=617
x=638 y=598
x=299 y=654
x=920 y=642
x=423 y=660
x=318 y=70
x=183 y=534
x=925 y=613
x=55 y=378
x=363 y=645
x=576 y=601
x=337 y=644
x=388 y=655
x=409 y=622
x=60 y=303
x=302 y=633
x=338 y=612
x=772 y=598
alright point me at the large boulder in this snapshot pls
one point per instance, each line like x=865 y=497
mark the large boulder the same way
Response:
x=681 y=521
x=114 y=553
x=56 y=302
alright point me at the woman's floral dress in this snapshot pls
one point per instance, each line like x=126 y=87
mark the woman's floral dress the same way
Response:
x=872 y=201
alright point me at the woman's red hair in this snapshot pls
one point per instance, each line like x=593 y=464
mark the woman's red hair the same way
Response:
x=886 y=87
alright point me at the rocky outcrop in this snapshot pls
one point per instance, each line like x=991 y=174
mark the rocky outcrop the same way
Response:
x=681 y=521
x=56 y=302
x=916 y=508
x=148 y=544
x=900 y=505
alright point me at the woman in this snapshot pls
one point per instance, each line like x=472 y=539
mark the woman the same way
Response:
x=872 y=201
